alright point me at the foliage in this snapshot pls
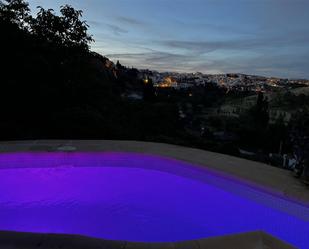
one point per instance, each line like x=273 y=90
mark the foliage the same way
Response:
x=299 y=126
x=299 y=135
x=66 y=29
x=254 y=124
x=289 y=100
x=259 y=112
x=15 y=12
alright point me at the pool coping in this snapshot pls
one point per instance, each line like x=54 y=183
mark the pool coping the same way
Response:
x=250 y=240
x=276 y=181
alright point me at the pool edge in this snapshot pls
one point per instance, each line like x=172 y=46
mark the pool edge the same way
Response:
x=272 y=180
x=249 y=240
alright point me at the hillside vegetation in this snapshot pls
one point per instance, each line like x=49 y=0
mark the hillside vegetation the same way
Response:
x=53 y=86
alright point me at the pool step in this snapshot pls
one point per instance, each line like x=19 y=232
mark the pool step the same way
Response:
x=251 y=240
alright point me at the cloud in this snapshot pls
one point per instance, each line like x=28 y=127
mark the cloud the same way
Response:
x=207 y=26
x=94 y=23
x=116 y=29
x=130 y=20
x=268 y=65
x=301 y=39
x=155 y=60
x=150 y=57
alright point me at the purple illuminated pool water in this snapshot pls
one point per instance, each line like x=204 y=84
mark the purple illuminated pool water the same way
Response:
x=135 y=197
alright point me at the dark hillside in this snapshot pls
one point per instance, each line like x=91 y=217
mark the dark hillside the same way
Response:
x=52 y=86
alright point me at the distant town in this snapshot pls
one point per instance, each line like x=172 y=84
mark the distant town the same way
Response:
x=223 y=111
x=240 y=82
x=249 y=85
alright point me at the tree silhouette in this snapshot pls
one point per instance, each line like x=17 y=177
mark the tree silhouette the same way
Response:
x=299 y=134
x=15 y=12
x=66 y=29
x=48 y=26
x=75 y=30
x=260 y=111
x=254 y=124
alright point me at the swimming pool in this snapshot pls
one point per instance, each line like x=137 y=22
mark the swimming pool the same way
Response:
x=136 y=197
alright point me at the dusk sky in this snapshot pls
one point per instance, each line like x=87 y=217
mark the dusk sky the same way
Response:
x=264 y=37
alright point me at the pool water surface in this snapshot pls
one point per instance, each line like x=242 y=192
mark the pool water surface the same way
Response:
x=122 y=196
